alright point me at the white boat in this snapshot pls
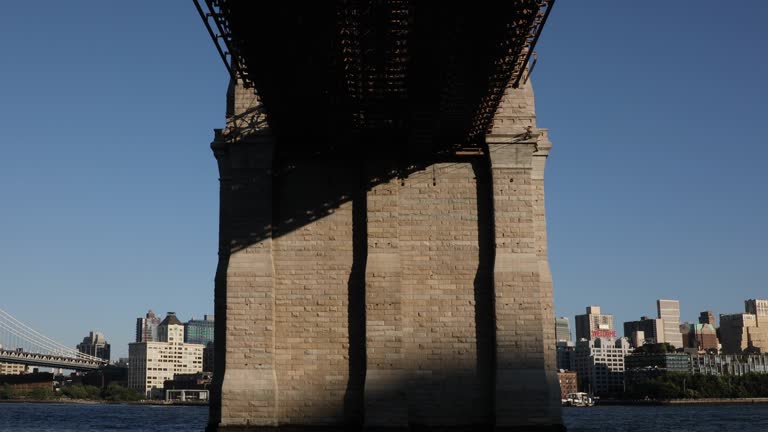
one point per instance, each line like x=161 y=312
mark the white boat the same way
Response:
x=578 y=399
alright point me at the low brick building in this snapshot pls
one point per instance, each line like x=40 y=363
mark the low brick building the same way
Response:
x=568 y=382
x=24 y=383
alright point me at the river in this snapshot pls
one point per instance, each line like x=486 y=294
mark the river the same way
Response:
x=27 y=417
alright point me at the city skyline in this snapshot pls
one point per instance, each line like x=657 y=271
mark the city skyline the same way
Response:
x=111 y=207
x=753 y=306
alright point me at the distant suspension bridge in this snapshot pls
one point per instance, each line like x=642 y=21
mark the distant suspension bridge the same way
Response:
x=21 y=344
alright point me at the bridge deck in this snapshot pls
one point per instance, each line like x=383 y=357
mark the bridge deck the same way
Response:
x=47 y=360
x=404 y=72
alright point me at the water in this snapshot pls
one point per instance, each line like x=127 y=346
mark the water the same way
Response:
x=712 y=418
x=23 y=417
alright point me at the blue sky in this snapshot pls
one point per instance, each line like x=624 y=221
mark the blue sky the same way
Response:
x=108 y=189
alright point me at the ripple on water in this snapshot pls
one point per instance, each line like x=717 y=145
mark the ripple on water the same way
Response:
x=23 y=417
x=709 y=418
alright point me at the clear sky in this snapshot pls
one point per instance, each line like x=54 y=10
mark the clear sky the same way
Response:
x=109 y=194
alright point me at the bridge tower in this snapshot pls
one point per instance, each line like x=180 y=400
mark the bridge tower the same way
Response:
x=382 y=256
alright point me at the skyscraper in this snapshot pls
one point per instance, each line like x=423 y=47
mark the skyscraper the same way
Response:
x=734 y=331
x=146 y=328
x=565 y=354
x=563 y=343
x=199 y=331
x=701 y=337
x=758 y=308
x=745 y=331
x=669 y=311
x=562 y=329
x=652 y=330
x=594 y=324
x=707 y=317
x=95 y=344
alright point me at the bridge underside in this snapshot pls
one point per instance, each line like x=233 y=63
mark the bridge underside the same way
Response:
x=382 y=239
x=327 y=72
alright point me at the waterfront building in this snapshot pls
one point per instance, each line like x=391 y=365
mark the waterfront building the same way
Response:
x=95 y=344
x=199 y=331
x=729 y=364
x=652 y=331
x=758 y=308
x=12 y=369
x=568 y=382
x=669 y=312
x=562 y=329
x=707 y=317
x=740 y=332
x=594 y=324
x=188 y=387
x=599 y=363
x=639 y=367
x=146 y=328
x=150 y=364
x=700 y=337
x=25 y=383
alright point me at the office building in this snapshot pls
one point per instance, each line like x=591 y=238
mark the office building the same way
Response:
x=758 y=308
x=594 y=324
x=565 y=355
x=652 y=330
x=95 y=344
x=150 y=364
x=199 y=331
x=699 y=337
x=640 y=367
x=562 y=329
x=12 y=369
x=146 y=328
x=740 y=332
x=636 y=338
x=667 y=361
x=669 y=312
x=707 y=317
x=599 y=363
x=734 y=330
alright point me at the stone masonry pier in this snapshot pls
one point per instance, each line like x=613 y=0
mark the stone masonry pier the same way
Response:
x=409 y=296
x=382 y=255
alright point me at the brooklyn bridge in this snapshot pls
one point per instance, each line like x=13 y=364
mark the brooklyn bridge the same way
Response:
x=382 y=256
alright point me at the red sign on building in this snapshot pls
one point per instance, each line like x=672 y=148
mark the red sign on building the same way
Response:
x=599 y=333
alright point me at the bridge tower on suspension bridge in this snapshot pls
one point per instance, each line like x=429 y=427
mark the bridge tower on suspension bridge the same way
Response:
x=382 y=254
